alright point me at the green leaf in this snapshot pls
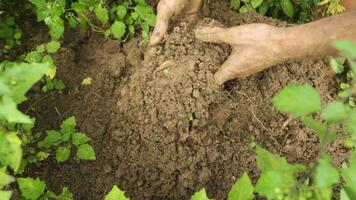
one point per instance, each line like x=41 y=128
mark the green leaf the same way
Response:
x=242 y=189
x=348 y=193
x=102 y=14
x=10 y=151
x=53 y=46
x=121 y=12
x=86 y=152
x=59 y=85
x=299 y=100
x=62 y=154
x=347 y=48
x=256 y=3
x=68 y=125
x=56 y=27
x=336 y=65
x=146 y=13
x=118 y=29
x=79 y=138
x=235 y=4
x=334 y=112
x=5 y=195
x=268 y=183
x=116 y=194
x=31 y=188
x=89 y=3
x=33 y=57
x=287 y=7
x=52 y=138
x=201 y=195
x=326 y=175
x=317 y=126
x=5 y=179
x=349 y=175
x=65 y=195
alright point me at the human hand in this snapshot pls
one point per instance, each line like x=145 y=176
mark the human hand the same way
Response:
x=168 y=8
x=255 y=48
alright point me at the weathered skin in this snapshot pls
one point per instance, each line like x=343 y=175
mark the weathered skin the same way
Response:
x=259 y=46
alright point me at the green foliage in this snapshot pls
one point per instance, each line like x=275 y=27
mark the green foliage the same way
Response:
x=31 y=188
x=65 y=139
x=298 y=100
x=289 y=10
x=200 y=195
x=242 y=189
x=116 y=194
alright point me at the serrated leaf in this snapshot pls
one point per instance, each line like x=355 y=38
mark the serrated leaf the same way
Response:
x=31 y=188
x=116 y=194
x=287 y=7
x=53 y=46
x=118 y=29
x=121 y=12
x=256 y=3
x=68 y=125
x=86 y=152
x=5 y=195
x=200 y=195
x=10 y=151
x=62 y=154
x=299 y=100
x=146 y=13
x=102 y=14
x=242 y=189
x=268 y=183
x=52 y=138
x=5 y=179
x=334 y=112
x=79 y=138
x=65 y=195
x=52 y=69
x=33 y=57
x=326 y=175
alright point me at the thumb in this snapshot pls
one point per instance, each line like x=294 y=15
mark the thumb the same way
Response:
x=211 y=34
x=163 y=16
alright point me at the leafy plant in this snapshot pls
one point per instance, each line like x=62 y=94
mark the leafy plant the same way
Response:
x=292 y=11
x=65 y=139
x=116 y=194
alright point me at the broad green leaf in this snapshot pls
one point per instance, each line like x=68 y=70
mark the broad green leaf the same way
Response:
x=62 y=154
x=349 y=175
x=268 y=183
x=235 y=4
x=146 y=13
x=31 y=188
x=347 y=48
x=5 y=179
x=56 y=27
x=334 y=112
x=79 y=138
x=5 y=195
x=53 y=46
x=89 y=3
x=348 y=193
x=299 y=100
x=68 y=125
x=77 y=7
x=10 y=151
x=326 y=175
x=287 y=7
x=116 y=194
x=9 y=111
x=86 y=152
x=121 y=12
x=52 y=138
x=201 y=195
x=102 y=14
x=317 y=126
x=65 y=195
x=256 y=3
x=118 y=29
x=242 y=189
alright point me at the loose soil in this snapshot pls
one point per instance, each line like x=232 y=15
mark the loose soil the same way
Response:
x=161 y=127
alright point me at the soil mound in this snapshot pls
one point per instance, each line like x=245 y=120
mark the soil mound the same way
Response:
x=161 y=127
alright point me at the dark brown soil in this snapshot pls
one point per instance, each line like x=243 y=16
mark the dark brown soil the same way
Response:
x=161 y=127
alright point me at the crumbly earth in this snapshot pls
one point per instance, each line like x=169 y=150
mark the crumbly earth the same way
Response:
x=161 y=127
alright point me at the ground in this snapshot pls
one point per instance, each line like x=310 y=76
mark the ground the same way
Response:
x=161 y=127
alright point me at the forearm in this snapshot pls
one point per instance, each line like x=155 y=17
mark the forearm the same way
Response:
x=313 y=39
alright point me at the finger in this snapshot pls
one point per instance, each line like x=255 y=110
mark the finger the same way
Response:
x=164 y=13
x=211 y=34
x=192 y=11
x=226 y=71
